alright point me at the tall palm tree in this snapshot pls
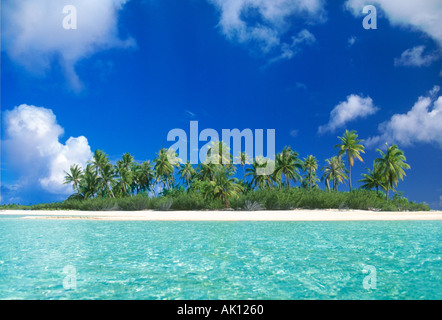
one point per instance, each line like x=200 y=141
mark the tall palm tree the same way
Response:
x=243 y=159
x=350 y=144
x=164 y=169
x=205 y=171
x=259 y=181
x=99 y=161
x=310 y=165
x=104 y=171
x=108 y=176
x=392 y=165
x=74 y=176
x=287 y=164
x=144 y=175
x=125 y=180
x=373 y=178
x=187 y=172
x=127 y=161
x=90 y=183
x=334 y=171
x=224 y=186
x=219 y=153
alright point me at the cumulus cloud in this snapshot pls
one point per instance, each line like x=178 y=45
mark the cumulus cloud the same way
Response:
x=415 y=57
x=417 y=14
x=33 y=149
x=353 y=108
x=422 y=124
x=264 y=23
x=34 y=37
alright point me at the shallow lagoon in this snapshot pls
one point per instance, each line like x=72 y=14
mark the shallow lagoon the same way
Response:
x=86 y=259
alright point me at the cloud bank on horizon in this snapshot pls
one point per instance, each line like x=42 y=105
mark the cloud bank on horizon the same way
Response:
x=33 y=148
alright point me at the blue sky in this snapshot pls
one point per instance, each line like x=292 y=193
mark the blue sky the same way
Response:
x=134 y=70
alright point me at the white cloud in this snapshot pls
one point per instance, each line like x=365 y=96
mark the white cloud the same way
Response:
x=264 y=23
x=289 y=50
x=422 y=124
x=32 y=147
x=353 y=108
x=417 y=14
x=351 y=41
x=33 y=34
x=415 y=57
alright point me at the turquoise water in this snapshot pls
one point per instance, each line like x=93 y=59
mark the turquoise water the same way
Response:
x=84 y=259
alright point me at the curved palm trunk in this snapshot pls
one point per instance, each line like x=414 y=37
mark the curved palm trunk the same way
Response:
x=349 y=172
x=110 y=190
x=77 y=187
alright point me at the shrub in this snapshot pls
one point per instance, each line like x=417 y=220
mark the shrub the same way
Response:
x=274 y=199
x=252 y=206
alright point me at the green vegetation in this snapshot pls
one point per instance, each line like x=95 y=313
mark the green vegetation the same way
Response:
x=168 y=184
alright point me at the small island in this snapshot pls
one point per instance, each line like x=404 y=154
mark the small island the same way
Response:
x=166 y=183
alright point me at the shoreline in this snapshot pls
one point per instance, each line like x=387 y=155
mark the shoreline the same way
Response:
x=267 y=215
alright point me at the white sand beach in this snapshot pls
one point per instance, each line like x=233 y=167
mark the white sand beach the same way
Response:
x=289 y=215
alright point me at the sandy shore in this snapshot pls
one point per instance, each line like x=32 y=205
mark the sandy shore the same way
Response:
x=290 y=215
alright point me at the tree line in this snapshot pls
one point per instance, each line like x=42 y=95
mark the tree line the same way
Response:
x=216 y=176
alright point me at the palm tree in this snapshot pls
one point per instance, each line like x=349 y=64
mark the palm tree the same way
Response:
x=310 y=165
x=350 y=144
x=243 y=160
x=74 y=176
x=259 y=180
x=99 y=160
x=205 y=171
x=144 y=175
x=90 y=183
x=327 y=175
x=164 y=169
x=373 y=178
x=108 y=176
x=219 y=153
x=104 y=170
x=334 y=172
x=224 y=186
x=187 y=172
x=392 y=165
x=127 y=161
x=125 y=181
x=287 y=164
